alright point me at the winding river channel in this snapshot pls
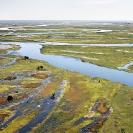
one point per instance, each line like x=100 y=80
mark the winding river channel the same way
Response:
x=32 y=49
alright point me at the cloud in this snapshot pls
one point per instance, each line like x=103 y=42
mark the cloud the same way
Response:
x=97 y=2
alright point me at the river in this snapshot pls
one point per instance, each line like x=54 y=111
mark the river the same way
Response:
x=32 y=49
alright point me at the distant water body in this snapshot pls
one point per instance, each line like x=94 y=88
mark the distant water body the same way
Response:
x=43 y=22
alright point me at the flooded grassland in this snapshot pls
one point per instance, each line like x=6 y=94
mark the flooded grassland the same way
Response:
x=76 y=33
x=37 y=97
x=80 y=103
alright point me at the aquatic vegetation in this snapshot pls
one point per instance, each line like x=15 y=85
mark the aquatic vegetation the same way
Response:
x=26 y=107
x=76 y=100
x=122 y=115
x=80 y=94
x=75 y=34
x=5 y=88
x=131 y=68
x=110 y=56
x=3 y=51
x=20 y=121
x=4 y=61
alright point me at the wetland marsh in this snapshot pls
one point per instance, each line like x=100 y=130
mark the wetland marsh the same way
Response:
x=79 y=88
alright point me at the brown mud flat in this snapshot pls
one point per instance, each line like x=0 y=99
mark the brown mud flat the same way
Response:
x=3 y=100
x=31 y=85
x=10 y=78
x=101 y=108
x=3 y=116
x=47 y=90
x=98 y=125
x=40 y=75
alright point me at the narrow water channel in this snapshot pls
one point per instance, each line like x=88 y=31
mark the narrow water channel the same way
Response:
x=8 y=64
x=32 y=50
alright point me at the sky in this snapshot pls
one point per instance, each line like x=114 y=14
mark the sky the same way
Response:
x=66 y=10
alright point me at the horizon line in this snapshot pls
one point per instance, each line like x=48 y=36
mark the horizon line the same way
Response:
x=57 y=20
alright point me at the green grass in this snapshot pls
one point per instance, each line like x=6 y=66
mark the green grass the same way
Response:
x=19 y=122
x=81 y=93
x=4 y=88
x=131 y=68
x=73 y=105
x=84 y=33
x=122 y=115
x=2 y=51
x=111 y=57
x=7 y=109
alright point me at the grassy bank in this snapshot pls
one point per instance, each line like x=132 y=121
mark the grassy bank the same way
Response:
x=111 y=57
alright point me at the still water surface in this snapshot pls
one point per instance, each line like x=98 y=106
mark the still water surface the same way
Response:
x=32 y=50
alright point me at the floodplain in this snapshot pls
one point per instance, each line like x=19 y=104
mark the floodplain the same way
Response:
x=38 y=97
